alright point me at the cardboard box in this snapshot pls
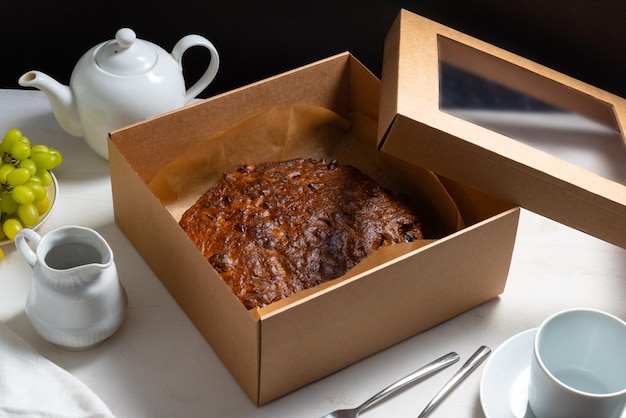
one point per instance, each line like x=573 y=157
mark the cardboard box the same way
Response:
x=414 y=128
x=278 y=349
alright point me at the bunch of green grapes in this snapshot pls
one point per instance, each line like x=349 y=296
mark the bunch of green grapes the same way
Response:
x=24 y=176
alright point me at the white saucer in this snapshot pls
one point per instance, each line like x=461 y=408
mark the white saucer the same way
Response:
x=504 y=383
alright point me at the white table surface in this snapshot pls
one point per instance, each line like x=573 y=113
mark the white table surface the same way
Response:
x=158 y=365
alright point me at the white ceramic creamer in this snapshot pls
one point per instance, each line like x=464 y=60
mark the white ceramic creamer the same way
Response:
x=76 y=300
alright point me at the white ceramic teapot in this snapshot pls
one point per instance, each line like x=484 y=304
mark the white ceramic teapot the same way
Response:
x=120 y=82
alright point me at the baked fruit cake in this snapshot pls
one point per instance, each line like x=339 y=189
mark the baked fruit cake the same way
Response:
x=273 y=229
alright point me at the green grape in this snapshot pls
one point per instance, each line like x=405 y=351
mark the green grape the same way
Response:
x=7 y=204
x=12 y=136
x=1 y=252
x=40 y=148
x=28 y=214
x=5 y=169
x=43 y=205
x=39 y=191
x=18 y=176
x=44 y=160
x=20 y=151
x=45 y=176
x=22 y=194
x=29 y=165
x=58 y=154
x=11 y=227
x=34 y=179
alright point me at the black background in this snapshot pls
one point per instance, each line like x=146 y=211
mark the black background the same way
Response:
x=585 y=39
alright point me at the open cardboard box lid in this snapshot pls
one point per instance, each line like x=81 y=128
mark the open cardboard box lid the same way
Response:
x=413 y=127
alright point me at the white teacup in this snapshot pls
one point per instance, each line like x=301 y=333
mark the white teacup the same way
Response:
x=578 y=367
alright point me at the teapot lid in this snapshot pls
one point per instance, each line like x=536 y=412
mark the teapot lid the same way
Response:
x=126 y=55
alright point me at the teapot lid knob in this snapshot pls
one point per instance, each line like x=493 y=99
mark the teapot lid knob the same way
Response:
x=126 y=55
x=125 y=37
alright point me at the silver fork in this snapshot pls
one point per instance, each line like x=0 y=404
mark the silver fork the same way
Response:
x=431 y=367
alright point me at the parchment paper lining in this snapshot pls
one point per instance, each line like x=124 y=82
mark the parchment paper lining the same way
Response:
x=286 y=132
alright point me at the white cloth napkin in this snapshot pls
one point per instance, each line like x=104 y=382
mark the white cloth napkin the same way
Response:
x=32 y=386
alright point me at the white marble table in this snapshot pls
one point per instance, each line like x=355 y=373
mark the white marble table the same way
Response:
x=158 y=365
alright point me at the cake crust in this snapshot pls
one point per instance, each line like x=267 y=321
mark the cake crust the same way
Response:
x=273 y=229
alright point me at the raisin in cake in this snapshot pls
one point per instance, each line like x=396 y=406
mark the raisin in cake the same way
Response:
x=273 y=229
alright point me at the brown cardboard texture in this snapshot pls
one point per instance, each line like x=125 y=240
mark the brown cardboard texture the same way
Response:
x=387 y=298
x=414 y=128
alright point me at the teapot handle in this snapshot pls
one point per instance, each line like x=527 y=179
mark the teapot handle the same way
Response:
x=177 y=53
x=27 y=252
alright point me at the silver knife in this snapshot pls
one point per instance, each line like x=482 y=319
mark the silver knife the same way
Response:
x=478 y=357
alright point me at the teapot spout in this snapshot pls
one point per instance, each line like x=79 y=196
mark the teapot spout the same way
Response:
x=61 y=100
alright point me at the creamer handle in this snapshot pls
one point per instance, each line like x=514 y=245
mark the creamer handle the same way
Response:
x=28 y=253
